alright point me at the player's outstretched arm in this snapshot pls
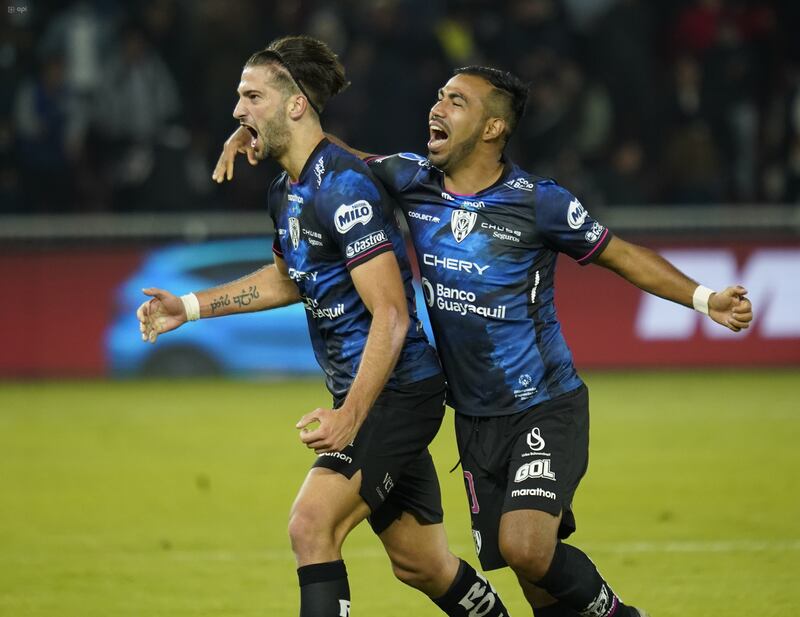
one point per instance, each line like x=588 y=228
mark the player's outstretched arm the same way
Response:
x=652 y=273
x=380 y=286
x=240 y=142
x=264 y=289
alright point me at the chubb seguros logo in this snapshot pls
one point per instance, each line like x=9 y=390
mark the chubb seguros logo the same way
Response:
x=348 y=216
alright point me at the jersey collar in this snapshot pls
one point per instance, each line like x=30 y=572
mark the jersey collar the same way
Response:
x=508 y=167
x=311 y=158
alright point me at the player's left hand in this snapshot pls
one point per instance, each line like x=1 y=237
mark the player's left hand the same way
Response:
x=731 y=308
x=337 y=429
x=238 y=143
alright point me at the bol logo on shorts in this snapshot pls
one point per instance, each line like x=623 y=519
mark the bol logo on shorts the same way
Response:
x=535 y=440
x=535 y=469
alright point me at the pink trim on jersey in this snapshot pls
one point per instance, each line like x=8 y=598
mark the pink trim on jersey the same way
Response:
x=597 y=246
x=277 y=252
x=369 y=252
x=374 y=157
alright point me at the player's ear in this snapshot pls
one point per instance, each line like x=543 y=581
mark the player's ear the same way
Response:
x=494 y=129
x=297 y=104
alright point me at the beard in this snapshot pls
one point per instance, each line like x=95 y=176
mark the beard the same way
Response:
x=459 y=152
x=274 y=136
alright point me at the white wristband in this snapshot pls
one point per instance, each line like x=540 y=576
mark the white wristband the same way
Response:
x=192 y=307
x=700 y=298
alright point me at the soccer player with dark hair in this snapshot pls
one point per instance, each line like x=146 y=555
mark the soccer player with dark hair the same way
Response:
x=487 y=235
x=338 y=251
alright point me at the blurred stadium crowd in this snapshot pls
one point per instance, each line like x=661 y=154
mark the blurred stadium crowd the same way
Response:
x=120 y=106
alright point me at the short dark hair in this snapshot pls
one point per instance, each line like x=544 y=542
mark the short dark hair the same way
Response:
x=509 y=97
x=309 y=65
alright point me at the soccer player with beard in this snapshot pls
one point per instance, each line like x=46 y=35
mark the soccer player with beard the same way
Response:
x=487 y=235
x=338 y=250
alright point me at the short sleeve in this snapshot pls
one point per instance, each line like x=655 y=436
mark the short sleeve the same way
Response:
x=276 y=247
x=397 y=171
x=352 y=210
x=566 y=226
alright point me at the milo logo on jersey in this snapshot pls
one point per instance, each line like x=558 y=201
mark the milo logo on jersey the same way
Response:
x=348 y=216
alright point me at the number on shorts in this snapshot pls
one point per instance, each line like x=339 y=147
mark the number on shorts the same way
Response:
x=473 y=497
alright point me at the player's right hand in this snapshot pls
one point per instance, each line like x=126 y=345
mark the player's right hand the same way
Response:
x=238 y=143
x=161 y=313
x=731 y=308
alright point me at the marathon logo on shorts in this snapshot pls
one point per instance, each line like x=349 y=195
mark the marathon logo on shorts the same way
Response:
x=348 y=216
x=533 y=492
x=356 y=247
x=339 y=455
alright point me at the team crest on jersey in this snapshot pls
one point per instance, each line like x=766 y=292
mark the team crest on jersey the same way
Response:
x=462 y=222
x=294 y=230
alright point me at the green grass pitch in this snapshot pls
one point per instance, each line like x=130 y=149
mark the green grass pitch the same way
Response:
x=149 y=499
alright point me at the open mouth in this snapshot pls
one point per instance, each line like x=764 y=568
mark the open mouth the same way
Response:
x=438 y=136
x=253 y=133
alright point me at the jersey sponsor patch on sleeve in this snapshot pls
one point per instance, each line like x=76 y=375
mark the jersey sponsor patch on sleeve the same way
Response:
x=348 y=216
x=356 y=247
x=576 y=214
x=593 y=235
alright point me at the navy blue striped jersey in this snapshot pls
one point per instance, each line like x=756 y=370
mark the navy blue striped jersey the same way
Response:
x=488 y=264
x=334 y=218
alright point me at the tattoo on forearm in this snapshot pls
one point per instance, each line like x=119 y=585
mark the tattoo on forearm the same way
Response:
x=247 y=296
x=218 y=303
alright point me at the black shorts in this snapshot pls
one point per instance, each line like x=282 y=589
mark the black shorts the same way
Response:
x=527 y=461
x=391 y=451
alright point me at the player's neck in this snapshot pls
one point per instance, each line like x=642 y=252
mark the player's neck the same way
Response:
x=473 y=175
x=302 y=145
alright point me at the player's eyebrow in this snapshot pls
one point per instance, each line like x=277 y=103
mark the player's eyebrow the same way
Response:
x=248 y=92
x=452 y=95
